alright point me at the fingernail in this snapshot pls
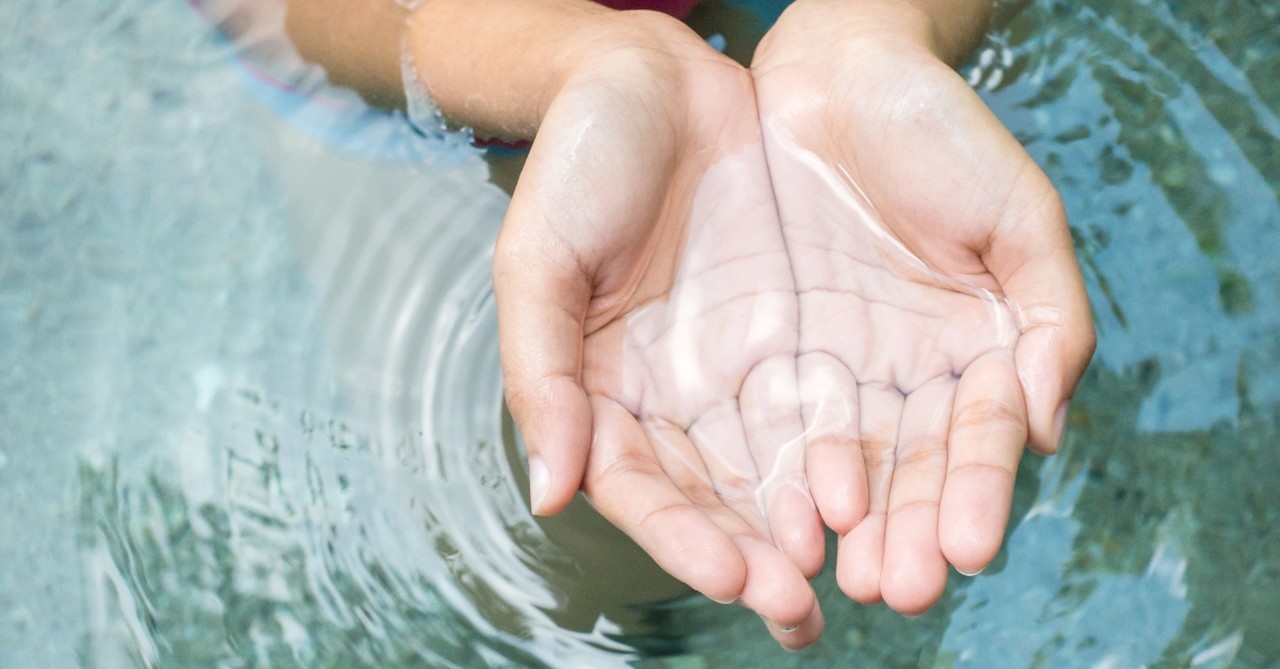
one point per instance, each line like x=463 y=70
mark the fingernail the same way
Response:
x=970 y=574
x=778 y=628
x=539 y=481
x=1060 y=423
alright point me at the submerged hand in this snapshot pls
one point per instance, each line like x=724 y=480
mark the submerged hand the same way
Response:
x=943 y=319
x=647 y=321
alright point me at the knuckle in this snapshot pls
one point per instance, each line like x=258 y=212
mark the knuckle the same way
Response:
x=615 y=470
x=985 y=413
x=924 y=452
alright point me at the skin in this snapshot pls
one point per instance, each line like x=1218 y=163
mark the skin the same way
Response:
x=609 y=255
x=720 y=372
x=646 y=307
x=941 y=307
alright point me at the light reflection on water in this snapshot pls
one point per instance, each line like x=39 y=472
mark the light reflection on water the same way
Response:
x=377 y=521
x=253 y=397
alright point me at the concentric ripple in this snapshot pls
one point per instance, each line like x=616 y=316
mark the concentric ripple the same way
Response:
x=252 y=409
x=339 y=484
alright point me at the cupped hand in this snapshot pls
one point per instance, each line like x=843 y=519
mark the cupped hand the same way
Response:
x=943 y=320
x=648 y=323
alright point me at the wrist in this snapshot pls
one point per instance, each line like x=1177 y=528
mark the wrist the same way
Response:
x=497 y=65
x=943 y=29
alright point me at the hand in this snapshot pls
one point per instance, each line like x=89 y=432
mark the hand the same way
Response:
x=647 y=322
x=943 y=318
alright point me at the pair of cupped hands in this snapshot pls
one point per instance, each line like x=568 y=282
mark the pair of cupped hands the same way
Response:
x=737 y=306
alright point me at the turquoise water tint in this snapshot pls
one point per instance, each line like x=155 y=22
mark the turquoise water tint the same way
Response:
x=250 y=405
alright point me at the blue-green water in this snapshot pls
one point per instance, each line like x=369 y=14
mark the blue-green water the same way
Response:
x=252 y=416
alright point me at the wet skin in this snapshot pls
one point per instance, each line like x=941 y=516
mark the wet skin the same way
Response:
x=723 y=371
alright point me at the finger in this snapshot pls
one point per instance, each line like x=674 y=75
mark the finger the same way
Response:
x=915 y=572
x=988 y=430
x=799 y=636
x=704 y=478
x=774 y=586
x=1033 y=259
x=675 y=517
x=777 y=591
x=565 y=229
x=720 y=444
x=628 y=486
x=833 y=453
x=542 y=301
x=861 y=554
x=770 y=405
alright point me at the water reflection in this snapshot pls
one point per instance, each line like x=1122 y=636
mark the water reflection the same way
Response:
x=1085 y=617
x=267 y=369
x=1163 y=139
x=380 y=521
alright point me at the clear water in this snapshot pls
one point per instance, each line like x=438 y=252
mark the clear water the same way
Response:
x=252 y=412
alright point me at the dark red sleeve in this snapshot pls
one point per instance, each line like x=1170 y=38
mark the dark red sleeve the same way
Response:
x=676 y=8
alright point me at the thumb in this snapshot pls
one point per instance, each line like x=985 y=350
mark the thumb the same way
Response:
x=1032 y=256
x=542 y=296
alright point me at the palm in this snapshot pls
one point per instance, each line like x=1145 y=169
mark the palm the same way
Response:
x=700 y=380
x=708 y=365
x=692 y=358
x=891 y=186
x=661 y=238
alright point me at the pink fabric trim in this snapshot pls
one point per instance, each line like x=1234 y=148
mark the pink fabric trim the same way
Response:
x=676 y=8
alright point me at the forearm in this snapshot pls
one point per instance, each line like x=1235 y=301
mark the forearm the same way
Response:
x=496 y=64
x=356 y=41
x=493 y=65
x=950 y=29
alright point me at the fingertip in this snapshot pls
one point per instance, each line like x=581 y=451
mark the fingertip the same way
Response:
x=861 y=589
x=1047 y=383
x=834 y=466
x=722 y=577
x=797 y=637
x=838 y=481
x=914 y=573
x=969 y=567
x=970 y=539
x=797 y=529
x=859 y=561
x=556 y=425
x=723 y=582
x=774 y=588
x=628 y=486
x=989 y=427
x=1060 y=423
x=973 y=515
x=1057 y=343
x=1035 y=262
x=539 y=481
x=915 y=598
x=687 y=545
x=542 y=301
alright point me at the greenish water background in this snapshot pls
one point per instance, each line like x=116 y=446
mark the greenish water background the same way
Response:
x=252 y=411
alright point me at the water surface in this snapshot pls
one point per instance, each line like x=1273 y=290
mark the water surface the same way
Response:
x=253 y=413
